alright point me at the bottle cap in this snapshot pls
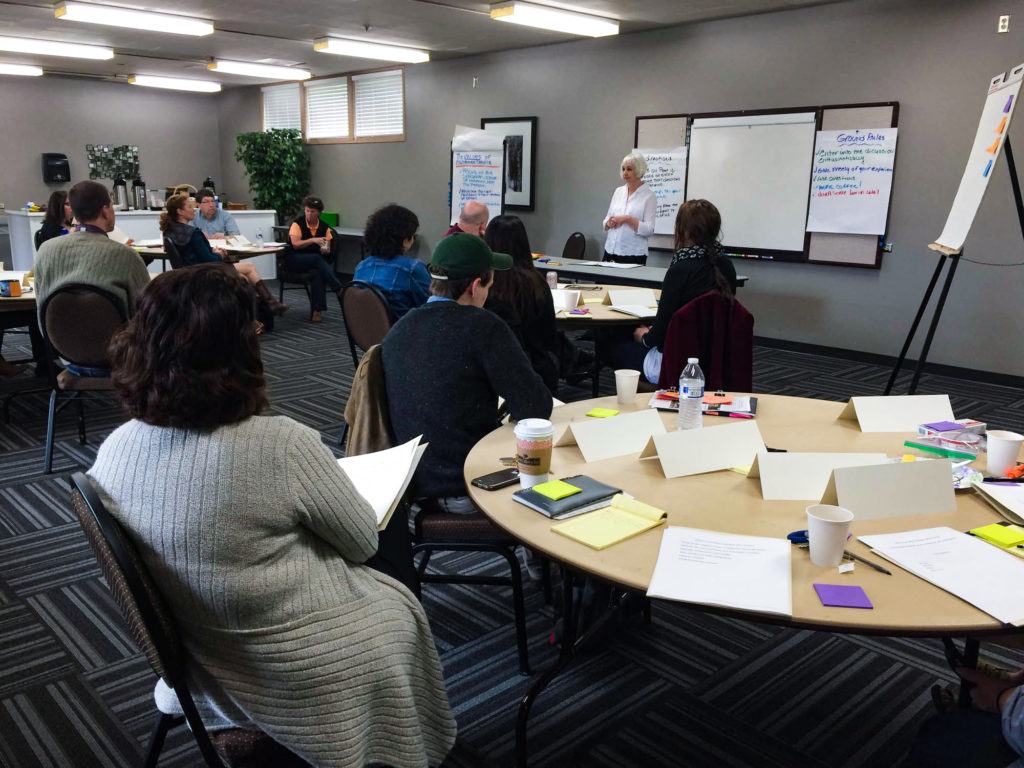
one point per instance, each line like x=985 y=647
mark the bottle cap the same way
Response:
x=692 y=360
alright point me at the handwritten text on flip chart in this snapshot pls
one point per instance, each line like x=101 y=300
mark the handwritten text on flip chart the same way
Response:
x=477 y=175
x=666 y=176
x=851 y=179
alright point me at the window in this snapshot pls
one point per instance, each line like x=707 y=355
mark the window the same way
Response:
x=379 y=104
x=281 y=106
x=327 y=109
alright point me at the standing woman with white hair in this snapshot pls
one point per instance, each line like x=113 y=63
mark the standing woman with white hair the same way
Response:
x=630 y=219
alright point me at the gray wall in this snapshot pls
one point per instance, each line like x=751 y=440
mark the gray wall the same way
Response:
x=934 y=57
x=177 y=133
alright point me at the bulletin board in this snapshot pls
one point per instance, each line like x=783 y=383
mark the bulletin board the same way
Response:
x=749 y=141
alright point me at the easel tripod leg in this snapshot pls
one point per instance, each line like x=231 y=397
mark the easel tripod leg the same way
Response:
x=953 y=262
x=917 y=321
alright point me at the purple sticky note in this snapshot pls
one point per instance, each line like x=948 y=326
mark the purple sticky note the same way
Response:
x=842 y=596
x=944 y=426
x=1009 y=103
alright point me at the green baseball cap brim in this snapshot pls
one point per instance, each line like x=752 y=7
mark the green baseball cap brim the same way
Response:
x=464 y=255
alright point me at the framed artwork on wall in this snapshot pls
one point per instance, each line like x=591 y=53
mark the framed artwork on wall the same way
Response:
x=520 y=150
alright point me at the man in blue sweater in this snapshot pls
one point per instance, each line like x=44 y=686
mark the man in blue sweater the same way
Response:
x=447 y=362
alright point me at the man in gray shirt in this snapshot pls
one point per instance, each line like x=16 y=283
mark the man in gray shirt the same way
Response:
x=214 y=221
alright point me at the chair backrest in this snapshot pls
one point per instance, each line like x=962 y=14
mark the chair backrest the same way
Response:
x=717 y=331
x=173 y=254
x=366 y=312
x=331 y=257
x=38 y=238
x=81 y=343
x=141 y=604
x=575 y=246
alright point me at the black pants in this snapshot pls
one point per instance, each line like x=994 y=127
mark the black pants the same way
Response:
x=26 y=318
x=394 y=551
x=962 y=739
x=642 y=260
x=616 y=349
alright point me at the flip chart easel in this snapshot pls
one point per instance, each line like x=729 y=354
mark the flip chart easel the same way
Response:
x=994 y=127
x=477 y=169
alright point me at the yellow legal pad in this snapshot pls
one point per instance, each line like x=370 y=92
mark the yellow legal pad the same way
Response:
x=1003 y=535
x=603 y=527
x=602 y=413
x=556 y=489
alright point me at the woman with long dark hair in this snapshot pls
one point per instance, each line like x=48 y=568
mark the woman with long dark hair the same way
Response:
x=698 y=266
x=58 y=219
x=521 y=297
x=260 y=544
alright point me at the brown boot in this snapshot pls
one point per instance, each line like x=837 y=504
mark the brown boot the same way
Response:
x=275 y=306
x=11 y=369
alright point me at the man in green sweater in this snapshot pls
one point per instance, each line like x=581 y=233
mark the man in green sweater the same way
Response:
x=88 y=256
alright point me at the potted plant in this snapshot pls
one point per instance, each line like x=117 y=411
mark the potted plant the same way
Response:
x=277 y=169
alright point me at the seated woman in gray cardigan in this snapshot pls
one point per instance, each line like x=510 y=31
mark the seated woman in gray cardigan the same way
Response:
x=260 y=544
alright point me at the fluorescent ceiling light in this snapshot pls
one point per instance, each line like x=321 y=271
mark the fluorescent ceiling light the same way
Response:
x=123 y=17
x=266 y=71
x=20 y=69
x=50 y=48
x=175 y=83
x=366 y=50
x=555 y=19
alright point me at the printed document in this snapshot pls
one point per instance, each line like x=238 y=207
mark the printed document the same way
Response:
x=382 y=477
x=710 y=568
x=966 y=566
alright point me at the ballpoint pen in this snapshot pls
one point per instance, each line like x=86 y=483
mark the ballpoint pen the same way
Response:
x=866 y=562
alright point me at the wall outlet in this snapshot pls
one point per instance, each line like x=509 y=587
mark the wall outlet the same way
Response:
x=1004 y=24
x=886 y=247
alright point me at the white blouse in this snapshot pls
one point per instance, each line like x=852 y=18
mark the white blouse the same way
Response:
x=642 y=204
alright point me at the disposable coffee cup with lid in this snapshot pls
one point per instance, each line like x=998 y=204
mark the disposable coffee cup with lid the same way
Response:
x=533 y=450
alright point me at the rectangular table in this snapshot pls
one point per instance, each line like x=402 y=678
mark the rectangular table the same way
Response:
x=643 y=277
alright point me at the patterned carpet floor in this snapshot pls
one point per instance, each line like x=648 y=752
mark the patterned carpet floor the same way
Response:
x=690 y=689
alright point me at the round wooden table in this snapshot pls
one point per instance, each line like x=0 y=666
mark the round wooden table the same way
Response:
x=728 y=501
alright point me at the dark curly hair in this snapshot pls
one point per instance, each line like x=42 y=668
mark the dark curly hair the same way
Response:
x=388 y=228
x=189 y=358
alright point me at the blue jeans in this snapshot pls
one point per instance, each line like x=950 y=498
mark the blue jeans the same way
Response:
x=82 y=370
x=323 y=275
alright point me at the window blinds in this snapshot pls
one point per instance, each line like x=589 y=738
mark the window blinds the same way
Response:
x=379 y=103
x=327 y=108
x=281 y=106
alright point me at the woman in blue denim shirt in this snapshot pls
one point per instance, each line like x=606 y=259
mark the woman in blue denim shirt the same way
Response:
x=404 y=280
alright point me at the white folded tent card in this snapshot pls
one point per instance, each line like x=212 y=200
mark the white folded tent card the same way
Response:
x=893 y=490
x=694 y=451
x=643 y=297
x=897 y=413
x=803 y=476
x=613 y=436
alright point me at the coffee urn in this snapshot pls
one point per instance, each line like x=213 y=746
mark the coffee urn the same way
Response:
x=120 y=194
x=139 y=202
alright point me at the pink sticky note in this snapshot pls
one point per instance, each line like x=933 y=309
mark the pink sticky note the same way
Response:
x=842 y=595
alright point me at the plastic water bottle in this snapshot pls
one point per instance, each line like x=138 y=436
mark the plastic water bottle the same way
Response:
x=259 y=244
x=691 y=394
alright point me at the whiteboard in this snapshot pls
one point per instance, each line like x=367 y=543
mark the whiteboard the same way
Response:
x=477 y=170
x=756 y=169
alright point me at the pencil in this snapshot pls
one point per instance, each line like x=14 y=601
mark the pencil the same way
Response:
x=866 y=562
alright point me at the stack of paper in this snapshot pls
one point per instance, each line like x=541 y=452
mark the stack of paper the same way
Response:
x=747 y=572
x=963 y=565
x=382 y=477
x=1006 y=498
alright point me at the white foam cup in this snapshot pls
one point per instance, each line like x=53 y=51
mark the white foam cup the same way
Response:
x=626 y=382
x=827 y=529
x=534 y=439
x=1003 y=448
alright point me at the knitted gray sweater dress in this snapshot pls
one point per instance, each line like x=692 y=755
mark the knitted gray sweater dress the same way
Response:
x=255 y=536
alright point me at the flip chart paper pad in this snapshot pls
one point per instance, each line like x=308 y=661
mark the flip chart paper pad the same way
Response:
x=983 y=575
x=710 y=568
x=803 y=476
x=897 y=413
x=615 y=436
x=892 y=490
x=643 y=297
x=693 y=451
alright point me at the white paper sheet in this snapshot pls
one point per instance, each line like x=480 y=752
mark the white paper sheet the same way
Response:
x=634 y=310
x=968 y=567
x=851 y=180
x=803 y=476
x=751 y=573
x=382 y=477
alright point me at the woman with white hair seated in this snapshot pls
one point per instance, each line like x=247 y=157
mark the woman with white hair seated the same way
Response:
x=630 y=219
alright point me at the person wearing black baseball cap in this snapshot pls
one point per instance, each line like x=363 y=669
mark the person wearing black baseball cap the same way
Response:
x=447 y=363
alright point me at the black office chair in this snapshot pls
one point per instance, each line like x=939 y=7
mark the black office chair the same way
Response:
x=303 y=278
x=151 y=625
x=575 y=246
x=367 y=315
x=172 y=254
x=82 y=344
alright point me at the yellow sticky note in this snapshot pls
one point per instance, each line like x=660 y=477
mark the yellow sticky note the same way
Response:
x=742 y=470
x=907 y=458
x=556 y=489
x=1003 y=535
x=602 y=413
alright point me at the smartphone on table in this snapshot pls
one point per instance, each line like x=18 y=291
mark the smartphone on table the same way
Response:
x=496 y=480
